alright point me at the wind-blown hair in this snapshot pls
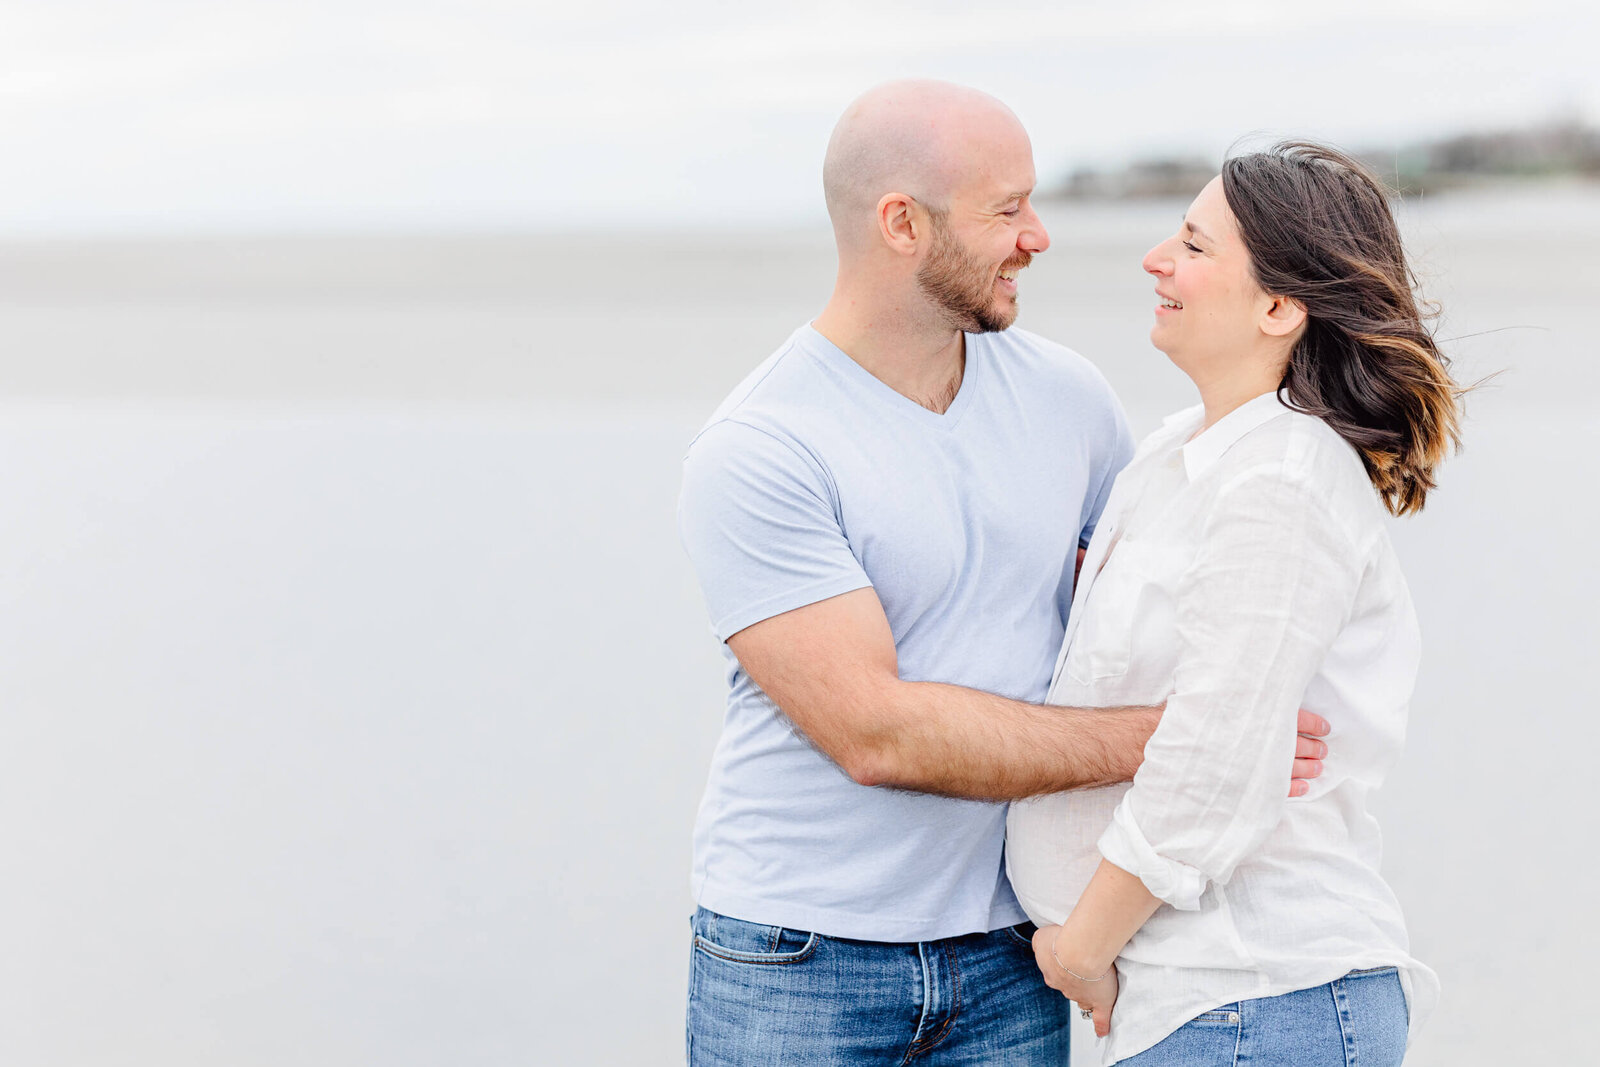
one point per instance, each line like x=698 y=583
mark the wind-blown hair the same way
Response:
x=1319 y=230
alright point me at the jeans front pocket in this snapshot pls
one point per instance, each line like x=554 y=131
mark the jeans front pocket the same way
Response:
x=738 y=941
x=1227 y=1015
x=754 y=998
x=1210 y=1039
x=1022 y=934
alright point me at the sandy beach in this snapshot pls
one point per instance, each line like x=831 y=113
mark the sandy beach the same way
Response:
x=359 y=697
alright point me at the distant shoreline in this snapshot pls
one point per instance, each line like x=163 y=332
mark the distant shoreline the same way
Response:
x=1561 y=151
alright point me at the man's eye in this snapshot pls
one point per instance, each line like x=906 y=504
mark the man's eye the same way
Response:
x=1013 y=211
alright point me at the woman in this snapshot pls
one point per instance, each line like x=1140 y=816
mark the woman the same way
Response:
x=1242 y=569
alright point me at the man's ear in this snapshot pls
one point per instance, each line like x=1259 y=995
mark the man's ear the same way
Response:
x=902 y=223
x=1283 y=317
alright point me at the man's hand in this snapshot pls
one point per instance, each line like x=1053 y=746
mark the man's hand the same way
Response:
x=1308 y=752
x=1096 y=996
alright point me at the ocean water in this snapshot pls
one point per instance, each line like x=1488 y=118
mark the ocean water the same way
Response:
x=357 y=696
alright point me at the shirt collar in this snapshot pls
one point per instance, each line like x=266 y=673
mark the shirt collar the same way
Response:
x=1209 y=446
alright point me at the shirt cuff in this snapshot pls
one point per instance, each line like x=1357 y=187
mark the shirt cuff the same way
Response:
x=1175 y=883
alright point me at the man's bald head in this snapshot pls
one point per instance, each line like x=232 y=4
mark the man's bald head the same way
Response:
x=925 y=139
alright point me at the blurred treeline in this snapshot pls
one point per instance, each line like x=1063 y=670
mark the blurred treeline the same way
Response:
x=1555 y=149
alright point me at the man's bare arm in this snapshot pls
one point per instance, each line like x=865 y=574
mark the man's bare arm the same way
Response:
x=831 y=667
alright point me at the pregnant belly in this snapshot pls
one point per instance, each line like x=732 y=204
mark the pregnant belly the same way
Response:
x=1051 y=848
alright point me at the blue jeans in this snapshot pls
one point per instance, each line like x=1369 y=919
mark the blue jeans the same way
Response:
x=763 y=995
x=1358 y=1019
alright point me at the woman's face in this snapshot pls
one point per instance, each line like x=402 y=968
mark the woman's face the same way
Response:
x=1204 y=271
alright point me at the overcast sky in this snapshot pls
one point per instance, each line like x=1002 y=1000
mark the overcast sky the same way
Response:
x=170 y=115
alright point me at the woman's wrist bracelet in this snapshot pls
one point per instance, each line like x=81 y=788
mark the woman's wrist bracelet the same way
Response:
x=1069 y=970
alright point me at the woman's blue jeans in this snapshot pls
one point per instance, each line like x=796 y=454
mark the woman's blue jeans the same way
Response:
x=765 y=995
x=1359 y=1020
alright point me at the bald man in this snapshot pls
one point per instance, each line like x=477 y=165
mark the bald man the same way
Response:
x=885 y=518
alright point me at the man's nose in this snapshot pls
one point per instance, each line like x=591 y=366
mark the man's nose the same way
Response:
x=1033 y=238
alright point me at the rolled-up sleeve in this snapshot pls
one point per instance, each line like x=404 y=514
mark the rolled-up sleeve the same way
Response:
x=1272 y=584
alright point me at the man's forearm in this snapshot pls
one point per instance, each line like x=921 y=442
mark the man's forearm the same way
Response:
x=961 y=742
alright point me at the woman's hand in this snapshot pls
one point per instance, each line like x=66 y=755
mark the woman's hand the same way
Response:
x=1098 y=997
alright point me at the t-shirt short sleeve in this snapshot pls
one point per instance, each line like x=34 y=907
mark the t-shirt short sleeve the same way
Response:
x=761 y=528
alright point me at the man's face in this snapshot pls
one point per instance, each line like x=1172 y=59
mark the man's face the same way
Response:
x=988 y=233
x=976 y=294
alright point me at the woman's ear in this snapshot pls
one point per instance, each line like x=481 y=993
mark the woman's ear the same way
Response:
x=1284 y=316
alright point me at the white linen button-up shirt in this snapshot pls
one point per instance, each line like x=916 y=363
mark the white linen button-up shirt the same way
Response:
x=1238 y=576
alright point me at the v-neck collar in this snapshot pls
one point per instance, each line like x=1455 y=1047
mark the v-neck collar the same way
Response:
x=976 y=356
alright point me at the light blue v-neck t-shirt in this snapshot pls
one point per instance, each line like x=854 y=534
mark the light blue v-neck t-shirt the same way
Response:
x=813 y=479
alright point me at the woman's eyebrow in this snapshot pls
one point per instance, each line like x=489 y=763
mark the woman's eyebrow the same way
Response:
x=1198 y=232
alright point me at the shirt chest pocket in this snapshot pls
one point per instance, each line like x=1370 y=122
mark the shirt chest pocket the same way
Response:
x=1128 y=614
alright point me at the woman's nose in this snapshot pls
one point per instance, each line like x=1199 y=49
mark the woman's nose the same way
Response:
x=1157 y=260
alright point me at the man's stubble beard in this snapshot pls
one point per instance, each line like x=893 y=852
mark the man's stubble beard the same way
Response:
x=961 y=287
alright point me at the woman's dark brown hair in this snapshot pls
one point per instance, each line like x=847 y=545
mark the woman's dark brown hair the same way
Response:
x=1318 y=229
